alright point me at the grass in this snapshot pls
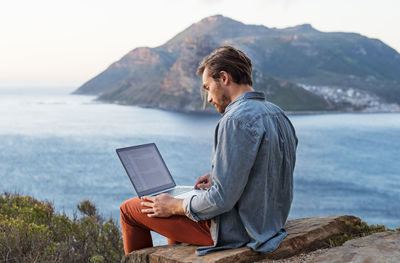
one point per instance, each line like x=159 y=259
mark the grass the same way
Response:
x=356 y=230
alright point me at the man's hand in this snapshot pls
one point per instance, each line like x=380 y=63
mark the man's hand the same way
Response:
x=203 y=182
x=163 y=205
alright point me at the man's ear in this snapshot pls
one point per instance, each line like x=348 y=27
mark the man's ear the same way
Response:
x=224 y=77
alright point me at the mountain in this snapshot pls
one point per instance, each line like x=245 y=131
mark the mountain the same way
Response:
x=164 y=77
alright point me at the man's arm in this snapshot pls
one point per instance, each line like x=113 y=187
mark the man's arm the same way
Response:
x=163 y=205
x=235 y=153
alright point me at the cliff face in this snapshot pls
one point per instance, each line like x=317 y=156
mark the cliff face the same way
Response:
x=165 y=77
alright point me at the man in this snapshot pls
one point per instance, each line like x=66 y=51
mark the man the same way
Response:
x=250 y=189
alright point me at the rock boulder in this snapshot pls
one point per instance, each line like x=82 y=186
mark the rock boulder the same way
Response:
x=304 y=235
x=381 y=247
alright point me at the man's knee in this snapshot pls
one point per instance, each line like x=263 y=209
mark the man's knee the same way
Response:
x=131 y=206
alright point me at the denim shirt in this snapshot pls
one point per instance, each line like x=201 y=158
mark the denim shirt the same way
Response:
x=252 y=177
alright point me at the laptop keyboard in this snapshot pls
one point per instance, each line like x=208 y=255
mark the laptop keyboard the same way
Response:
x=177 y=191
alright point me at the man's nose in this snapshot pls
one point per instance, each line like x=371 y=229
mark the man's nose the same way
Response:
x=209 y=98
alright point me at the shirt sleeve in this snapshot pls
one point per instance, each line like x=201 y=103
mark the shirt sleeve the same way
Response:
x=236 y=149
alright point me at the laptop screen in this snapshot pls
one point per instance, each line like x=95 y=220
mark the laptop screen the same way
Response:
x=146 y=168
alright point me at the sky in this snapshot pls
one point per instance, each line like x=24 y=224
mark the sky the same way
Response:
x=53 y=43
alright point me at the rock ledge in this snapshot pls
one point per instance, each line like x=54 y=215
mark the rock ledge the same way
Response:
x=378 y=247
x=304 y=235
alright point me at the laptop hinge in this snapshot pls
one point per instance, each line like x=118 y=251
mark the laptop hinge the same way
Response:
x=162 y=191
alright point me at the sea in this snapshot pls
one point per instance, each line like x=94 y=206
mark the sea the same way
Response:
x=60 y=147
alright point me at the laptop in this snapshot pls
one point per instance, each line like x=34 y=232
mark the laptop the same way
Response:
x=148 y=172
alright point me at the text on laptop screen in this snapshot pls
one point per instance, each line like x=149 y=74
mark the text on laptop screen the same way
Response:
x=146 y=168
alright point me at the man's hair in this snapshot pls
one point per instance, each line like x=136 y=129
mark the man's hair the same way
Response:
x=230 y=60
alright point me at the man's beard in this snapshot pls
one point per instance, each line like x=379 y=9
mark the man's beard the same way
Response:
x=221 y=105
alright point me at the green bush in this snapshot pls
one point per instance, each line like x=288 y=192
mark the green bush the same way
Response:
x=30 y=231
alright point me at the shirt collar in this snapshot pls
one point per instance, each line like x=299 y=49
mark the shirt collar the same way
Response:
x=248 y=95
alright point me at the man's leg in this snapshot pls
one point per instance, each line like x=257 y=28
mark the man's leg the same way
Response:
x=136 y=228
x=172 y=242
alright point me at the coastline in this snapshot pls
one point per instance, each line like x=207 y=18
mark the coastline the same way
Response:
x=213 y=112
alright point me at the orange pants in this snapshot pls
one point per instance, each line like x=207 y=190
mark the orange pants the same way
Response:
x=136 y=228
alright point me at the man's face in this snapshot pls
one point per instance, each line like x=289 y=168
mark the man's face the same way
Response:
x=216 y=92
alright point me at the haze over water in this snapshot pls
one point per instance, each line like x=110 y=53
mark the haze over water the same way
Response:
x=61 y=147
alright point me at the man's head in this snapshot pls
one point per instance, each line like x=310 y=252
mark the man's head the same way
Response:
x=226 y=73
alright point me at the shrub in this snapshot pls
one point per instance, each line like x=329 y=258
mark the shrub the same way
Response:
x=356 y=229
x=31 y=231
